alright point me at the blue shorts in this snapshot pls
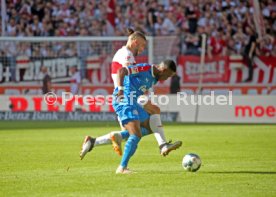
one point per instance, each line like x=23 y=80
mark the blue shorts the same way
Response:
x=127 y=112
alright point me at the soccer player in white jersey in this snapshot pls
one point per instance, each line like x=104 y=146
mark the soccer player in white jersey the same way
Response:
x=124 y=57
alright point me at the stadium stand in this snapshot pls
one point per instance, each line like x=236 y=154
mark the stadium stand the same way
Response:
x=224 y=21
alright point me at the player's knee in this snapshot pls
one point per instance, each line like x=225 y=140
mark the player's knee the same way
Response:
x=146 y=125
x=152 y=109
x=155 y=109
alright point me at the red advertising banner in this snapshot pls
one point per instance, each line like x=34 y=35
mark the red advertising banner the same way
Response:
x=214 y=70
x=228 y=70
x=235 y=109
x=219 y=73
x=58 y=89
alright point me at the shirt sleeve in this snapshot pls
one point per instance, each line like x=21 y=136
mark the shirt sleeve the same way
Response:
x=127 y=61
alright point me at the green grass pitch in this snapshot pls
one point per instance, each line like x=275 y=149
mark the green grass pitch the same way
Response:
x=42 y=159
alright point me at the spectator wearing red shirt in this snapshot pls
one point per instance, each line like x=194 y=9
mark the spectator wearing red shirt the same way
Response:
x=217 y=44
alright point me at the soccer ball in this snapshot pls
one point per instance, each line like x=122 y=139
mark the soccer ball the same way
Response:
x=191 y=162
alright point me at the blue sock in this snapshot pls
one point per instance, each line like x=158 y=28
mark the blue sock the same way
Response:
x=130 y=148
x=125 y=133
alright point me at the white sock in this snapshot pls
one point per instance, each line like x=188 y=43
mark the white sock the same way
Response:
x=105 y=139
x=157 y=128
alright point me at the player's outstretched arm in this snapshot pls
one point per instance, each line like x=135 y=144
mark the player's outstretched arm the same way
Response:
x=122 y=72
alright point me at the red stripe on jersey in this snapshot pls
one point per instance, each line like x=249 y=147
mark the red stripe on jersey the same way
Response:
x=136 y=69
x=115 y=66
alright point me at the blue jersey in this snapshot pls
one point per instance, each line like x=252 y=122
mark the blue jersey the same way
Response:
x=139 y=80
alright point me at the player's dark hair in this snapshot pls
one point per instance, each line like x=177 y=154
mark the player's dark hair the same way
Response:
x=129 y=31
x=135 y=34
x=170 y=64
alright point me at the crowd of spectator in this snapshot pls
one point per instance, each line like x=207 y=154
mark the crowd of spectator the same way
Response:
x=224 y=21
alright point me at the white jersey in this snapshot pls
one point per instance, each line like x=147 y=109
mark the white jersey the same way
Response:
x=123 y=57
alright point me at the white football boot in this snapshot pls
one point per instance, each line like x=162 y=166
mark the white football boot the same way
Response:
x=166 y=148
x=87 y=146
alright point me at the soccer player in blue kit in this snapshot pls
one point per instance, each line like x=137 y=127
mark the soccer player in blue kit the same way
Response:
x=133 y=82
